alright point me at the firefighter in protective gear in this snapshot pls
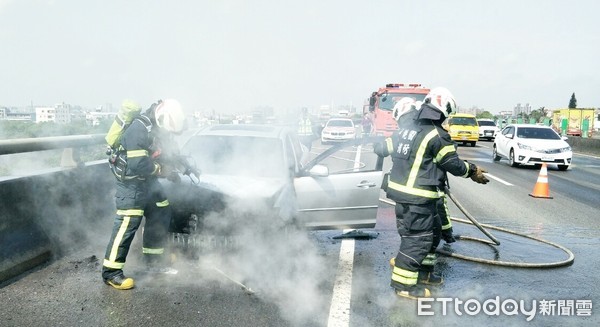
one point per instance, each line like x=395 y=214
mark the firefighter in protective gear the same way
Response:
x=305 y=129
x=143 y=143
x=421 y=151
x=405 y=112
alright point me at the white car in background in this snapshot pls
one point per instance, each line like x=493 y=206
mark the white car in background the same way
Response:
x=487 y=129
x=524 y=144
x=338 y=130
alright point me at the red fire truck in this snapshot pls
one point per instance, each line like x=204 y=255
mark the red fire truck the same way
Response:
x=381 y=104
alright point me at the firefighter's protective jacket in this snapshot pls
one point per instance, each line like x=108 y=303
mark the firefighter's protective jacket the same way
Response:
x=421 y=152
x=137 y=143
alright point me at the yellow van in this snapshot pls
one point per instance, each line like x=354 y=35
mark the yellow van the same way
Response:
x=463 y=128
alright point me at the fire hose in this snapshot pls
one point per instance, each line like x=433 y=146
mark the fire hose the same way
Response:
x=494 y=242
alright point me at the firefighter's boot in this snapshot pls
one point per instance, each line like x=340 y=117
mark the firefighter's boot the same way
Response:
x=120 y=282
x=413 y=292
x=430 y=278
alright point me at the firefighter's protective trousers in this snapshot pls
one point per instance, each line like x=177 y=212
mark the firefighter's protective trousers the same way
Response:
x=415 y=223
x=136 y=199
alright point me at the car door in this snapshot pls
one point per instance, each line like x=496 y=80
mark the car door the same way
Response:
x=502 y=141
x=340 y=188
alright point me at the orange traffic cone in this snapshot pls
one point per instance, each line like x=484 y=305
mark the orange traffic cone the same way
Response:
x=541 y=188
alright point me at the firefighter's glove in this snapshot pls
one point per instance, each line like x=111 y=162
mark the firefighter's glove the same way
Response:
x=448 y=236
x=478 y=176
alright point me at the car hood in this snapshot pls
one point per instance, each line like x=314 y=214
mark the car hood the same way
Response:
x=339 y=129
x=544 y=144
x=243 y=187
x=249 y=193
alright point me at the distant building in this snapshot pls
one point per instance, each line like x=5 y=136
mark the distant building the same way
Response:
x=519 y=109
x=60 y=114
x=94 y=117
x=15 y=115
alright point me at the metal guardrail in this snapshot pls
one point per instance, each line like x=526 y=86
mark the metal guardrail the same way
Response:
x=49 y=143
x=36 y=206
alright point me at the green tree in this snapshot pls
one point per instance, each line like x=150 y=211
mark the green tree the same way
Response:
x=485 y=115
x=538 y=114
x=573 y=102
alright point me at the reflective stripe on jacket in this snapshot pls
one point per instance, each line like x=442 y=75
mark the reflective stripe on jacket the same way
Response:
x=420 y=152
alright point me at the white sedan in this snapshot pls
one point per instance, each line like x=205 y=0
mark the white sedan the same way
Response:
x=524 y=144
x=338 y=130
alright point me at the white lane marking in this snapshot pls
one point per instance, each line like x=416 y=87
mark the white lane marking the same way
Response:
x=357 y=158
x=498 y=179
x=339 y=311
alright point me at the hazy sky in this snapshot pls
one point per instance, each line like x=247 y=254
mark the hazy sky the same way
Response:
x=235 y=55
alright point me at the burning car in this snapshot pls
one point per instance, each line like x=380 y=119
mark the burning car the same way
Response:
x=252 y=173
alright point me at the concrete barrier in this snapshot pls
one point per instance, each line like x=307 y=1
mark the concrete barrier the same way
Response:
x=585 y=145
x=43 y=216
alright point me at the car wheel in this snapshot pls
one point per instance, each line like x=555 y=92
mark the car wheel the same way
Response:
x=511 y=158
x=563 y=167
x=473 y=144
x=495 y=155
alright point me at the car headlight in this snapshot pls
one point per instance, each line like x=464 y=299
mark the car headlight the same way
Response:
x=525 y=147
x=567 y=149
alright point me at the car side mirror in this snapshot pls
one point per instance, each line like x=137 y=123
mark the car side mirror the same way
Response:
x=564 y=138
x=508 y=136
x=319 y=171
x=372 y=103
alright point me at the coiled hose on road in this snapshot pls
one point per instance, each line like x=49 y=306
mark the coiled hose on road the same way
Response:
x=495 y=242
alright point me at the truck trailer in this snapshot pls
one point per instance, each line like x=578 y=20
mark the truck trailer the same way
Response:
x=574 y=121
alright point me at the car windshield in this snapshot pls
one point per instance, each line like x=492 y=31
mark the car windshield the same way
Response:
x=340 y=123
x=237 y=155
x=537 y=133
x=387 y=101
x=486 y=123
x=468 y=121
